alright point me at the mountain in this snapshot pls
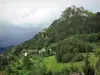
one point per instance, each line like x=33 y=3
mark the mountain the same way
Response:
x=3 y=49
x=68 y=44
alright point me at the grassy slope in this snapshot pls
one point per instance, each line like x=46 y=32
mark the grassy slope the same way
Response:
x=52 y=64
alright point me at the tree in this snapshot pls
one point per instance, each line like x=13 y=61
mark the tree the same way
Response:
x=59 y=56
x=8 y=70
x=98 y=66
x=27 y=64
x=87 y=69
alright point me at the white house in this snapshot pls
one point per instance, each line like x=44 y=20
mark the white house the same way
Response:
x=25 y=54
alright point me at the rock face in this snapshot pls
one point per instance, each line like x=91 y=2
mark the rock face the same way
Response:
x=72 y=11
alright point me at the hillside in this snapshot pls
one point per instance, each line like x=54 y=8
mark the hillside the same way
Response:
x=71 y=44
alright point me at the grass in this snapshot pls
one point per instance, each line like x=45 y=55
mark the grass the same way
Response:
x=52 y=64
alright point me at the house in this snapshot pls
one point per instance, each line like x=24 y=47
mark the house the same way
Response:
x=25 y=54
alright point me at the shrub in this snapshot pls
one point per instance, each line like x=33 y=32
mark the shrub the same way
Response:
x=67 y=57
x=78 y=57
x=65 y=71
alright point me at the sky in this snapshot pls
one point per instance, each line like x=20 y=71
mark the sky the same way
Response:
x=20 y=20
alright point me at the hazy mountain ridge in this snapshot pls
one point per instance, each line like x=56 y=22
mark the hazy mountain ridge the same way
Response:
x=3 y=49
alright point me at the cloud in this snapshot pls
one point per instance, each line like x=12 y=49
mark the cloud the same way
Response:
x=14 y=35
x=22 y=12
x=20 y=20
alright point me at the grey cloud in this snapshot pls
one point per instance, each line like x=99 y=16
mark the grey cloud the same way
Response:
x=14 y=35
